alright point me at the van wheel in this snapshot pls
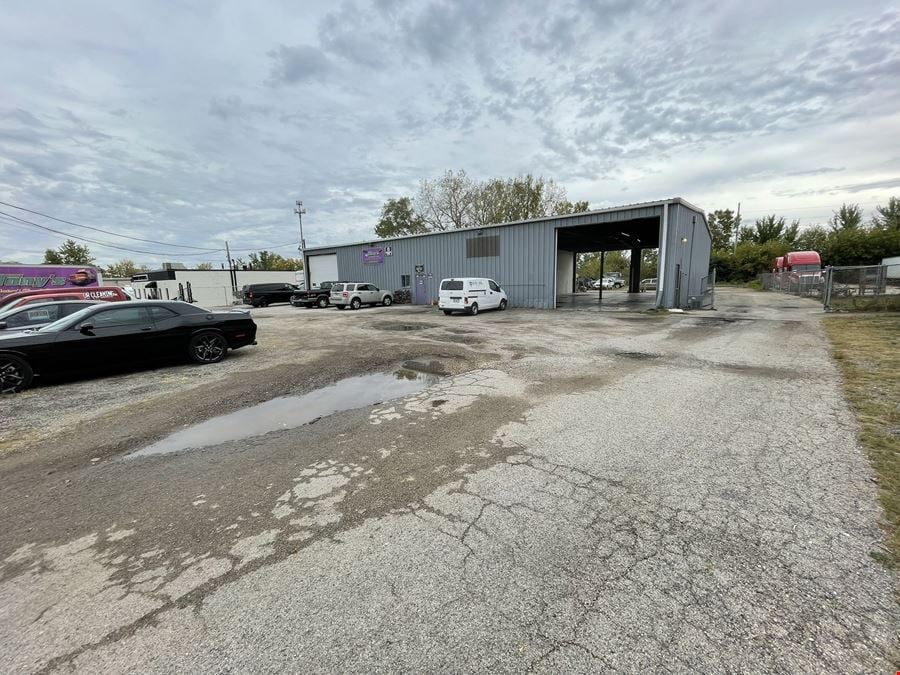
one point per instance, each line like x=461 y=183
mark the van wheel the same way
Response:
x=502 y=305
x=387 y=301
x=262 y=303
x=15 y=374
x=322 y=302
x=448 y=312
x=355 y=303
x=473 y=310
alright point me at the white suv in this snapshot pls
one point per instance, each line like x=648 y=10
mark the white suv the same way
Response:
x=356 y=295
x=471 y=295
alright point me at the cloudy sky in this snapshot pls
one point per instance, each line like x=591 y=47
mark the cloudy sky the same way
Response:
x=194 y=122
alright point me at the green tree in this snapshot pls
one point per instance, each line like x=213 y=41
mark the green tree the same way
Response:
x=204 y=266
x=123 y=268
x=768 y=228
x=888 y=217
x=848 y=217
x=269 y=260
x=613 y=261
x=399 y=219
x=456 y=201
x=70 y=253
x=722 y=226
x=812 y=239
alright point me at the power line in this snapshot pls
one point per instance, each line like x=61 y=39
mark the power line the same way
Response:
x=97 y=242
x=199 y=251
x=115 y=234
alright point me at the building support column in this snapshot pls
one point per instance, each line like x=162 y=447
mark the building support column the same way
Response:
x=634 y=271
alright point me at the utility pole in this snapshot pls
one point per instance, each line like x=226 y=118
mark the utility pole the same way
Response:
x=737 y=226
x=231 y=275
x=299 y=210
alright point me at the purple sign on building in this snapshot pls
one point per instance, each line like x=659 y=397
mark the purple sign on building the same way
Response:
x=373 y=256
x=15 y=278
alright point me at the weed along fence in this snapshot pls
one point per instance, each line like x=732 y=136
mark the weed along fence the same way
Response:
x=866 y=287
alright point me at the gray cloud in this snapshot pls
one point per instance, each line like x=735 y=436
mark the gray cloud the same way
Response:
x=300 y=63
x=209 y=127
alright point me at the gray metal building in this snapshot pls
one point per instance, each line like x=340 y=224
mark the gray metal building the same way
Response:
x=534 y=260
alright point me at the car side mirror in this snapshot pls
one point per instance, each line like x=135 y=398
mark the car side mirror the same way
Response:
x=87 y=329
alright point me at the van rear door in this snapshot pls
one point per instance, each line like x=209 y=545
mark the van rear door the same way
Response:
x=451 y=294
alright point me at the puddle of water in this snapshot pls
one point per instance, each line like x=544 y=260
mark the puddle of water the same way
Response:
x=289 y=412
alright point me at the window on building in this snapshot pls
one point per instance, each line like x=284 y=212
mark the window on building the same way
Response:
x=404 y=280
x=483 y=247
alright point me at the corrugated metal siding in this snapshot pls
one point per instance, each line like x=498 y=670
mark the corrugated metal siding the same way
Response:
x=526 y=265
x=690 y=259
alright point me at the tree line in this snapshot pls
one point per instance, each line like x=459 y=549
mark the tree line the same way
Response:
x=455 y=200
x=847 y=239
x=73 y=253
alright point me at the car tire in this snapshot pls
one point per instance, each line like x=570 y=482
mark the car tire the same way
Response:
x=208 y=346
x=15 y=374
x=502 y=305
x=262 y=303
x=473 y=310
x=448 y=312
x=387 y=300
x=355 y=303
x=322 y=302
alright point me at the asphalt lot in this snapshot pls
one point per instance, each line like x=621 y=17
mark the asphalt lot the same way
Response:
x=574 y=491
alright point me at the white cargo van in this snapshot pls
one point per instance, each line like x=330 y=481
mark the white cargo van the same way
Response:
x=471 y=295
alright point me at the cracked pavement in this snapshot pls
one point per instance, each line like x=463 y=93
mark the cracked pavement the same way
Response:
x=578 y=492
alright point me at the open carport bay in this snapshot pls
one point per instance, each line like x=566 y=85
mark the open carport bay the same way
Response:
x=571 y=492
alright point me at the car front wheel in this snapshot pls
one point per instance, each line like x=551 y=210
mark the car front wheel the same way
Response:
x=208 y=347
x=502 y=305
x=15 y=374
x=387 y=301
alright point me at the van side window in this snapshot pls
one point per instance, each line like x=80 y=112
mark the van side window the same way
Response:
x=494 y=286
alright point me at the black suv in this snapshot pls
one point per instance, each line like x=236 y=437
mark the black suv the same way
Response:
x=262 y=295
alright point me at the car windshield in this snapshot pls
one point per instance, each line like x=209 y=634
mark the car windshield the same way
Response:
x=451 y=285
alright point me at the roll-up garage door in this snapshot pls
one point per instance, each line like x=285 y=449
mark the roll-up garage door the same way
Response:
x=322 y=268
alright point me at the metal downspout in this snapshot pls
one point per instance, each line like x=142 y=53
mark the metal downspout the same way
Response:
x=661 y=263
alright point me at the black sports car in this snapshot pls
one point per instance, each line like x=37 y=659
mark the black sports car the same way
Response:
x=110 y=335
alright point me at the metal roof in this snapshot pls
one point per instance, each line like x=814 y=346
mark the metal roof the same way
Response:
x=624 y=207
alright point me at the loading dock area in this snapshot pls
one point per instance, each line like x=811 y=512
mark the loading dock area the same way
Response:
x=534 y=260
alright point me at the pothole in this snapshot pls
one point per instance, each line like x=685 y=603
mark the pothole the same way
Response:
x=427 y=367
x=403 y=326
x=289 y=412
x=639 y=355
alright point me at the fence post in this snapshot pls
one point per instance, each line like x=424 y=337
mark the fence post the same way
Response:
x=713 y=300
x=826 y=296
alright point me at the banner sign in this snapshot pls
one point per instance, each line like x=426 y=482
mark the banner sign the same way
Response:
x=373 y=256
x=15 y=278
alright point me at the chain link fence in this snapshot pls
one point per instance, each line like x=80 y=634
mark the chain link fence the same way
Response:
x=863 y=288
x=809 y=283
x=859 y=288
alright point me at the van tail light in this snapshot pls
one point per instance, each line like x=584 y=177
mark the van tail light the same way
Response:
x=250 y=294
x=466 y=300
